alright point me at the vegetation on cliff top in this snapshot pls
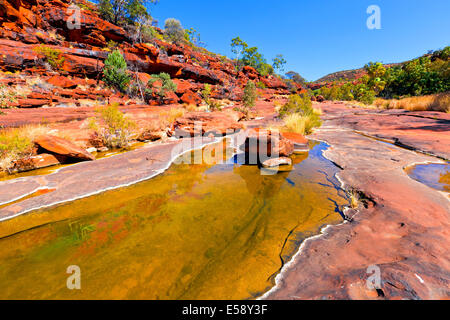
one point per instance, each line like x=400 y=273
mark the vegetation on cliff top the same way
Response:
x=426 y=75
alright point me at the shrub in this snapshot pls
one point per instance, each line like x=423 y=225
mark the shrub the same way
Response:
x=301 y=124
x=17 y=143
x=149 y=33
x=261 y=85
x=297 y=104
x=212 y=104
x=167 y=118
x=115 y=73
x=299 y=115
x=117 y=130
x=249 y=99
x=206 y=92
x=173 y=31
x=160 y=84
x=52 y=56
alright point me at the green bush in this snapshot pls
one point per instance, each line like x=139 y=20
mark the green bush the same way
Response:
x=299 y=115
x=53 y=57
x=115 y=73
x=173 y=31
x=14 y=145
x=261 y=85
x=249 y=98
x=297 y=103
x=116 y=131
x=165 y=86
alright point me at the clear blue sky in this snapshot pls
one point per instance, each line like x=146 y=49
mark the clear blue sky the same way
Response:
x=316 y=37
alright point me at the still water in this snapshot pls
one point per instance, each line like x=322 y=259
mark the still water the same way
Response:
x=206 y=231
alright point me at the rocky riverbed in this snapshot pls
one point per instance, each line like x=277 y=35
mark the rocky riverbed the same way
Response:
x=401 y=225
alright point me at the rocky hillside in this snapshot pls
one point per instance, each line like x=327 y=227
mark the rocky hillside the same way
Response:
x=348 y=75
x=27 y=26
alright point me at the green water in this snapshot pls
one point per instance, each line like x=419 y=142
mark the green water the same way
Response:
x=218 y=231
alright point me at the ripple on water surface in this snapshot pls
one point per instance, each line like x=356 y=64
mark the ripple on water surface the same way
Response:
x=202 y=231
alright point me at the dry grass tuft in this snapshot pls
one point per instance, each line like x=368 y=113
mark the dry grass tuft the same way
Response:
x=18 y=143
x=437 y=102
x=169 y=117
x=299 y=124
x=355 y=199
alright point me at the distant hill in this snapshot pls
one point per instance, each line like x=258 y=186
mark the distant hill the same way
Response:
x=349 y=74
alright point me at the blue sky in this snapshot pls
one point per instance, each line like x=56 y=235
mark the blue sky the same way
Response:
x=316 y=37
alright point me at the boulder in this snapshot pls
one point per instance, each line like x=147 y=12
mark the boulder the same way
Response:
x=152 y=136
x=191 y=98
x=31 y=103
x=250 y=72
x=63 y=147
x=320 y=98
x=40 y=161
x=63 y=82
x=277 y=162
x=261 y=145
x=299 y=141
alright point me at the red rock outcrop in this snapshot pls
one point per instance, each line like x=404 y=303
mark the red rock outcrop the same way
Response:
x=205 y=123
x=260 y=145
x=26 y=24
x=63 y=147
x=37 y=162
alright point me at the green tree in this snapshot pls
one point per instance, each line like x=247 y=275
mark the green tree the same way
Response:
x=250 y=56
x=122 y=12
x=193 y=37
x=115 y=73
x=279 y=62
x=297 y=78
x=376 y=72
x=173 y=30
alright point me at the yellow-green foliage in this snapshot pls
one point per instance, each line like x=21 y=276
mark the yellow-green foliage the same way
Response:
x=299 y=116
x=206 y=92
x=116 y=130
x=167 y=118
x=297 y=104
x=14 y=145
x=300 y=124
x=54 y=57
x=249 y=99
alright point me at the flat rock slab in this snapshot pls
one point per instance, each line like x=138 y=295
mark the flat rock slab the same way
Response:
x=88 y=178
x=426 y=131
x=404 y=231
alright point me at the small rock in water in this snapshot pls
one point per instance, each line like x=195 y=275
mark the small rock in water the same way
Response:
x=276 y=162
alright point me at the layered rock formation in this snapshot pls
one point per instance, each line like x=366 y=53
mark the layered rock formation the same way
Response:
x=27 y=24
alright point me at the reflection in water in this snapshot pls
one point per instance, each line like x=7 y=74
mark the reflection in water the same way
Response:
x=436 y=176
x=196 y=232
